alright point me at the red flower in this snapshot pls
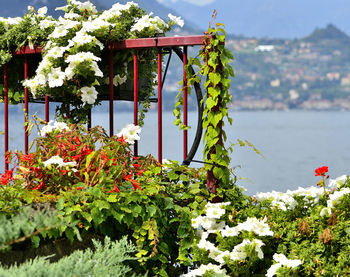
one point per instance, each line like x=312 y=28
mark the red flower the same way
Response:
x=27 y=158
x=121 y=139
x=321 y=171
x=5 y=178
x=135 y=184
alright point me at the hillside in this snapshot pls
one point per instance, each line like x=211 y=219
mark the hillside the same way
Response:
x=308 y=73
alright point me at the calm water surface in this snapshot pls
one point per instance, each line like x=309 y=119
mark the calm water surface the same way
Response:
x=293 y=143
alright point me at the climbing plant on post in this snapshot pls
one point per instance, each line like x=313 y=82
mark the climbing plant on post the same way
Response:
x=214 y=67
x=216 y=71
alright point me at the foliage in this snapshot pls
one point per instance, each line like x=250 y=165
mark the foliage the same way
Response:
x=299 y=233
x=79 y=158
x=27 y=224
x=98 y=186
x=108 y=259
x=216 y=71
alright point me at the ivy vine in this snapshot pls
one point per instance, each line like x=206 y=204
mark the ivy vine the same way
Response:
x=215 y=70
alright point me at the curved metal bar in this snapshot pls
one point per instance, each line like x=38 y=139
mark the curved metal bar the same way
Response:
x=199 y=131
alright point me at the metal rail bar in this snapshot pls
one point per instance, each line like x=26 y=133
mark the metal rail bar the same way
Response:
x=135 y=97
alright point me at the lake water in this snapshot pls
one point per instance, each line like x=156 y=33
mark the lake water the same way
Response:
x=293 y=143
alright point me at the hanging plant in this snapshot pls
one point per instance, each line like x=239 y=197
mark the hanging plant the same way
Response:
x=74 y=66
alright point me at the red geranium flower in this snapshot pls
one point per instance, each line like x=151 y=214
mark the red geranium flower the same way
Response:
x=321 y=171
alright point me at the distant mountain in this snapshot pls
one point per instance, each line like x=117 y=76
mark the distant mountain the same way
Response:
x=12 y=8
x=330 y=32
x=268 y=18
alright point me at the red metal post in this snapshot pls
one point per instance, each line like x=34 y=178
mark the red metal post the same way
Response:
x=111 y=92
x=47 y=109
x=135 y=97
x=68 y=111
x=185 y=135
x=6 y=115
x=89 y=120
x=160 y=141
x=26 y=112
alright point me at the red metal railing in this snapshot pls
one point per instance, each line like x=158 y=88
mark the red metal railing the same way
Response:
x=135 y=44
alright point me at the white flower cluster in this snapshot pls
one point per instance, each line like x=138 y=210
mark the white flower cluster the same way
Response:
x=337 y=182
x=59 y=162
x=334 y=199
x=81 y=28
x=205 y=268
x=53 y=125
x=281 y=260
x=287 y=201
x=130 y=133
x=208 y=224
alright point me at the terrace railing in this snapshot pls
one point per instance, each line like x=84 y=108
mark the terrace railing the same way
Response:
x=164 y=45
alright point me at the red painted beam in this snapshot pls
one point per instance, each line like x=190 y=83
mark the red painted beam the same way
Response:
x=26 y=50
x=156 y=42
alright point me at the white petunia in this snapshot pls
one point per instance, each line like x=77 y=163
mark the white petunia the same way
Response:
x=117 y=80
x=53 y=125
x=215 y=212
x=56 y=52
x=229 y=231
x=56 y=77
x=88 y=95
x=42 y=11
x=176 y=19
x=338 y=182
x=59 y=32
x=327 y=211
x=81 y=57
x=130 y=133
x=59 y=162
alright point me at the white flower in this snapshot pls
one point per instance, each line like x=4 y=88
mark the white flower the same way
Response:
x=176 y=19
x=205 y=268
x=281 y=260
x=117 y=80
x=56 y=52
x=220 y=257
x=207 y=245
x=96 y=24
x=59 y=31
x=273 y=270
x=59 y=161
x=326 y=211
x=338 y=182
x=88 y=95
x=53 y=125
x=215 y=212
x=229 y=231
x=259 y=227
x=130 y=133
x=56 y=77
x=196 y=222
x=42 y=11
x=258 y=243
x=81 y=57
x=337 y=196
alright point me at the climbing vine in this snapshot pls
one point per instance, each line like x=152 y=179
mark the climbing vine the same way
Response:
x=215 y=70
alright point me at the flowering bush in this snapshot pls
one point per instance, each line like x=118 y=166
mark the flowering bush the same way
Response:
x=297 y=233
x=70 y=156
x=73 y=66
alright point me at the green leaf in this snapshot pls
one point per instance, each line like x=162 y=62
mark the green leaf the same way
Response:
x=214 y=78
x=151 y=210
x=112 y=198
x=103 y=205
x=35 y=241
